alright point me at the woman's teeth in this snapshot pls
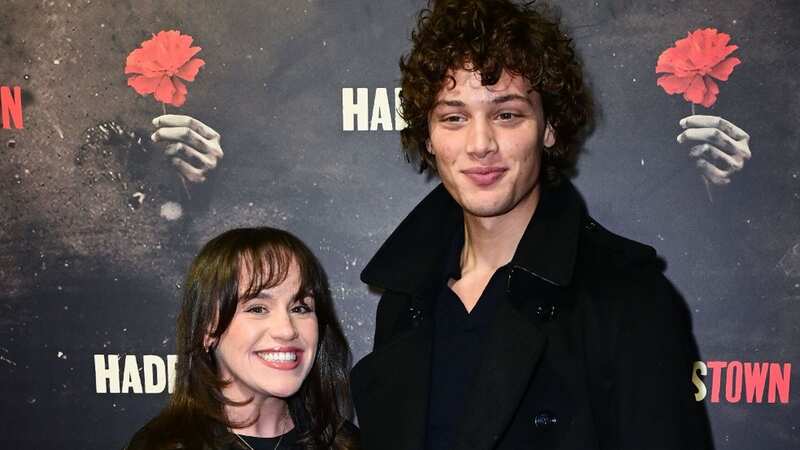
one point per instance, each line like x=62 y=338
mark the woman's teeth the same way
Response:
x=278 y=356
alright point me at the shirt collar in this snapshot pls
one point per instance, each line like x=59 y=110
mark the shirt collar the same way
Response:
x=415 y=253
x=452 y=262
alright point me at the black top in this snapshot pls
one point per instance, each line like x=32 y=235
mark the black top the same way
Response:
x=154 y=436
x=282 y=442
x=457 y=348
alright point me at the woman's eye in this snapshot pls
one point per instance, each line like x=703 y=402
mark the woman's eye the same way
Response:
x=302 y=308
x=257 y=309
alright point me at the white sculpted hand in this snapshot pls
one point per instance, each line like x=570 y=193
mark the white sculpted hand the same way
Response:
x=719 y=147
x=189 y=140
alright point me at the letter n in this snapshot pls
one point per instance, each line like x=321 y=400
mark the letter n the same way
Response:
x=779 y=382
x=12 y=106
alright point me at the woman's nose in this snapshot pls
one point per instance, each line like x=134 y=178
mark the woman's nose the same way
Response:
x=282 y=327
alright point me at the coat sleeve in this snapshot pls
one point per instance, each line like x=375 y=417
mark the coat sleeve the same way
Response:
x=656 y=351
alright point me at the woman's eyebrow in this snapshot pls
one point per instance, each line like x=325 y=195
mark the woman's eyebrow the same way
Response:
x=302 y=295
x=262 y=295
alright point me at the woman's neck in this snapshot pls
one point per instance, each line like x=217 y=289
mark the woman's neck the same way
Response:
x=273 y=418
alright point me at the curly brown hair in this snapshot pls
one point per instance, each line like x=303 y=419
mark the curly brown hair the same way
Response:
x=490 y=36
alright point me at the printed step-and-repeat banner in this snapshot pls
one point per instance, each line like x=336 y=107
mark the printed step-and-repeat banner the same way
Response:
x=299 y=101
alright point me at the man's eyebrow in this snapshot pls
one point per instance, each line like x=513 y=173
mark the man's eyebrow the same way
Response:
x=454 y=103
x=510 y=98
x=497 y=100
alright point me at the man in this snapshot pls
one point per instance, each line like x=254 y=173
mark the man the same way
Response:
x=509 y=318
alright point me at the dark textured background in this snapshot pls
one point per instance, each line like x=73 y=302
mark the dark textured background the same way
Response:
x=81 y=272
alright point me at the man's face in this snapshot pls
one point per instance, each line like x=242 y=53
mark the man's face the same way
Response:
x=488 y=141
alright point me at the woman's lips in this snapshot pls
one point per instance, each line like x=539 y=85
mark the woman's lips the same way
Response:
x=281 y=359
x=484 y=176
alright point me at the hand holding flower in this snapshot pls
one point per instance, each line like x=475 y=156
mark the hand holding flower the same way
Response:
x=190 y=141
x=719 y=147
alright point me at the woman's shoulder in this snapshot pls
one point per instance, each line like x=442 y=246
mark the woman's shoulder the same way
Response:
x=143 y=438
x=168 y=433
x=348 y=428
x=348 y=434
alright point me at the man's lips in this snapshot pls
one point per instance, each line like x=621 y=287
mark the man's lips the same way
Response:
x=484 y=176
x=282 y=358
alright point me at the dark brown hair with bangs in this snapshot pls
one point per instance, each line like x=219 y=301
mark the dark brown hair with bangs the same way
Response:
x=489 y=36
x=261 y=257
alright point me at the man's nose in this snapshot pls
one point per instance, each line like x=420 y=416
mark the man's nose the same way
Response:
x=481 y=139
x=282 y=327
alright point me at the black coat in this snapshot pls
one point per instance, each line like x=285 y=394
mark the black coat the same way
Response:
x=593 y=350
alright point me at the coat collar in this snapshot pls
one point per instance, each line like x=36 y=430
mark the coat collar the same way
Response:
x=417 y=249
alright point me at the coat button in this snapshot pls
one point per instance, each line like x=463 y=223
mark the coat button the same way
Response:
x=415 y=315
x=546 y=313
x=545 y=420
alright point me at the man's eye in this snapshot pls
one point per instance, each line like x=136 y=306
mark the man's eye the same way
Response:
x=453 y=119
x=507 y=116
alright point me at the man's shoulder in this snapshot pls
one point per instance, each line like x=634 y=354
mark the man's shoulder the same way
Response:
x=627 y=273
x=609 y=251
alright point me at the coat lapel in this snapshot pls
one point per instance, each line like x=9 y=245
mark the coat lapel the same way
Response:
x=510 y=355
x=393 y=403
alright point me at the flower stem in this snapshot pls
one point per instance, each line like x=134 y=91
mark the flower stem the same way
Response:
x=705 y=180
x=183 y=180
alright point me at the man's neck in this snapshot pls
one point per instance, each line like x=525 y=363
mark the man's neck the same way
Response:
x=490 y=242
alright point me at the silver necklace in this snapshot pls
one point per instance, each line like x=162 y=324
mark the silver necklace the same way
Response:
x=251 y=447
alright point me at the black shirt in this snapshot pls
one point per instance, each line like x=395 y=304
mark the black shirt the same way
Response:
x=457 y=347
x=286 y=441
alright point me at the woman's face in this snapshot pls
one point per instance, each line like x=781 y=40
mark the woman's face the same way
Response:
x=270 y=345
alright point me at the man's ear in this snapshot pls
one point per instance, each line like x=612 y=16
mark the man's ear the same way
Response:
x=549 y=135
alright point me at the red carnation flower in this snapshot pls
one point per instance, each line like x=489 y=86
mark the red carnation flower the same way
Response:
x=694 y=62
x=160 y=64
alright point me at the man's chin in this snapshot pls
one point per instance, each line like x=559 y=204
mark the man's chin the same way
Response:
x=486 y=209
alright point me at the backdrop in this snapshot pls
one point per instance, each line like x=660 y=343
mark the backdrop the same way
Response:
x=97 y=229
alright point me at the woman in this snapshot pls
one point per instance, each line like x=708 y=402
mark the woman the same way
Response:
x=262 y=359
